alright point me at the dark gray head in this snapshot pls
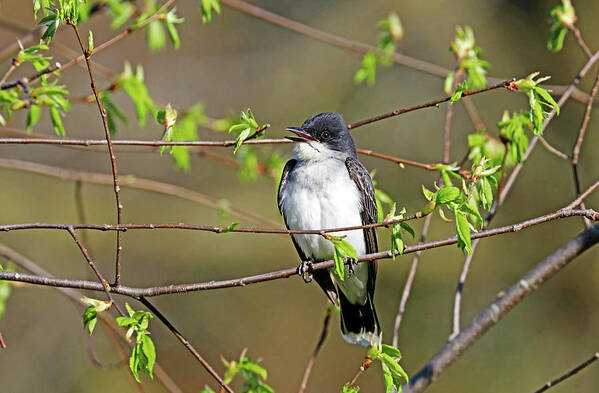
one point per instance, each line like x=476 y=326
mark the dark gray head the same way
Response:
x=326 y=133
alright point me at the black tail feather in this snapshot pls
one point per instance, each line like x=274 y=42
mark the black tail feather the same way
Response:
x=359 y=323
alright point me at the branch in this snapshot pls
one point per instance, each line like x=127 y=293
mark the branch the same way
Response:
x=241 y=282
x=504 y=84
x=507 y=300
x=115 y=175
x=132 y=181
x=323 y=335
x=570 y=373
x=579 y=39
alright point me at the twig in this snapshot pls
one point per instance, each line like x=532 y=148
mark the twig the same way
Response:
x=92 y=265
x=579 y=39
x=323 y=335
x=24 y=82
x=434 y=103
x=207 y=228
x=132 y=181
x=186 y=343
x=583 y=196
x=2 y=343
x=242 y=282
x=457 y=303
x=506 y=300
x=409 y=282
x=13 y=66
x=553 y=150
x=115 y=175
x=580 y=138
x=365 y=366
x=570 y=373
x=81 y=213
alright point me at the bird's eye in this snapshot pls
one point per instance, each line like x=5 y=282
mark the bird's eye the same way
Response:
x=325 y=135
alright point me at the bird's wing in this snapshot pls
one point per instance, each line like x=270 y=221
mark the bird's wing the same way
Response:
x=369 y=214
x=322 y=277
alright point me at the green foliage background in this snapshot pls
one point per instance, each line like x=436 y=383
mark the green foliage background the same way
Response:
x=236 y=61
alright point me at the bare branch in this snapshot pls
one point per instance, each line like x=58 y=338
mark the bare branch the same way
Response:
x=506 y=300
x=570 y=373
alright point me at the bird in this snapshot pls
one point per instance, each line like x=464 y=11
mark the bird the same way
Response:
x=326 y=186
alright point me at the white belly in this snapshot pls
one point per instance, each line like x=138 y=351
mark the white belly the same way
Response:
x=313 y=201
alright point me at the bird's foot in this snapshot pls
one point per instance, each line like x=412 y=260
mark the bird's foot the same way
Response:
x=305 y=271
x=351 y=265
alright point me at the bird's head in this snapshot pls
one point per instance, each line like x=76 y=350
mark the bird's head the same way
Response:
x=321 y=137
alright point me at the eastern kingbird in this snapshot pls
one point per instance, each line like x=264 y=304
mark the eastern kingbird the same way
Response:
x=325 y=186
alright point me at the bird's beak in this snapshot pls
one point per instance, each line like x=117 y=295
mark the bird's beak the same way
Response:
x=302 y=136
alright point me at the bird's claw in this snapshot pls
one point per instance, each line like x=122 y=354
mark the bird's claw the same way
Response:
x=351 y=264
x=305 y=271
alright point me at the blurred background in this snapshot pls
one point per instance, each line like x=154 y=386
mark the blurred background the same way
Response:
x=236 y=61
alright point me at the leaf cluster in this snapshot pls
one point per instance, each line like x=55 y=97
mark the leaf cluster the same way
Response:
x=394 y=376
x=143 y=356
x=467 y=54
x=537 y=97
x=562 y=18
x=252 y=374
x=90 y=315
x=342 y=249
x=247 y=128
x=392 y=32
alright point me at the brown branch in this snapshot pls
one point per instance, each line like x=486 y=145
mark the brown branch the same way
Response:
x=2 y=343
x=434 y=103
x=106 y=320
x=506 y=300
x=241 y=282
x=553 y=150
x=323 y=335
x=115 y=175
x=570 y=373
x=92 y=265
x=365 y=366
x=206 y=228
x=581 y=133
x=580 y=40
x=34 y=77
x=13 y=66
x=409 y=282
x=134 y=182
x=186 y=343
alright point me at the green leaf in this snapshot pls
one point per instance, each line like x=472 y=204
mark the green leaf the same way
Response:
x=35 y=111
x=57 y=121
x=463 y=231
x=228 y=228
x=90 y=42
x=207 y=6
x=391 y=351
x=547 y=97
x=155 y=36
x=406 y=227
x=125 y=321
x=342 y=249
x=149 y=352
x=397 y=243
x=447 y=194
x=367 y=70
x=347 y=389
x=457 y=94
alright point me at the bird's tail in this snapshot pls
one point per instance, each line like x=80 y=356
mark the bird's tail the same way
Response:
x=359 y=323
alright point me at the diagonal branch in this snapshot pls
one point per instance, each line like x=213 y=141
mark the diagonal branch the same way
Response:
x=323 y=336
x=570 y=373
x=507 y=300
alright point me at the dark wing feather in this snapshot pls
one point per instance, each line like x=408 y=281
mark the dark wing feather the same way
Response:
x=369 y=214
x=322 y=277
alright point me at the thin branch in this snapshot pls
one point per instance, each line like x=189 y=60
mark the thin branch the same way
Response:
x=13 y=66
x=186 y=343
x=457 y=303
x=323 y=336
x=504 y=84
x=115 y=175
x=241 y=282
x=2 y=343
x=583 y=196
x=34 y=77
x=570 y=373
x=553 y=150
x=132 y=181
x=92 y=265
x=506 y=301
x=206 y=228
x=579 y=39
x=409 y=282
x=365 y=366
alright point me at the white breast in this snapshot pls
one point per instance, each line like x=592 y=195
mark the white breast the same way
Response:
x=321 y=195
